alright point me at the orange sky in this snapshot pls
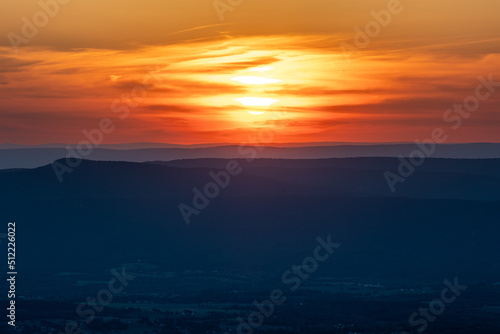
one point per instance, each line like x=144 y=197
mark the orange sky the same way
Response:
x=191 y=72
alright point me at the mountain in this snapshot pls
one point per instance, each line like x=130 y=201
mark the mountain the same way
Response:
x=36 y=157
x=122 y=146
x=143 y=145
x=443 y=220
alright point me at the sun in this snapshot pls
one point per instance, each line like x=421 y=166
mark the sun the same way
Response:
x=256 y=101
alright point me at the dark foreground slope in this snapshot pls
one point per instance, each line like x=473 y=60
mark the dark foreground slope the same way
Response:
x=444 y=222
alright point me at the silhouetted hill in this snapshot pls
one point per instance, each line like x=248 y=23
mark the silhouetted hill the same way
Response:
x=145 y=145
x=443 y=222
x=36 y=157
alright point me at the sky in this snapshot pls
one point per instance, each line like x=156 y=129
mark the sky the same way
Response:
x=205 y=71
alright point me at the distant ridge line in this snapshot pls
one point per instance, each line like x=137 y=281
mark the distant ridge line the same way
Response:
x=35 y=157
x=150 y=145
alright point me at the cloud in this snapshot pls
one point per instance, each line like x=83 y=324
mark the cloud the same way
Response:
x=11 y=64
x=386 y=91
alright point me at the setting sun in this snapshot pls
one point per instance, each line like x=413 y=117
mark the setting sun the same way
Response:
x=256 y=101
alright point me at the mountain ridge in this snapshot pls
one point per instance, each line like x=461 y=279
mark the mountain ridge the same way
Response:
x=36 y=157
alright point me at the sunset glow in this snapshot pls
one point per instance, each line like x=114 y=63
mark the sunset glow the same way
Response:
x=255 y=80
x=256 y=101
x=246 y=167
x=199 y=74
